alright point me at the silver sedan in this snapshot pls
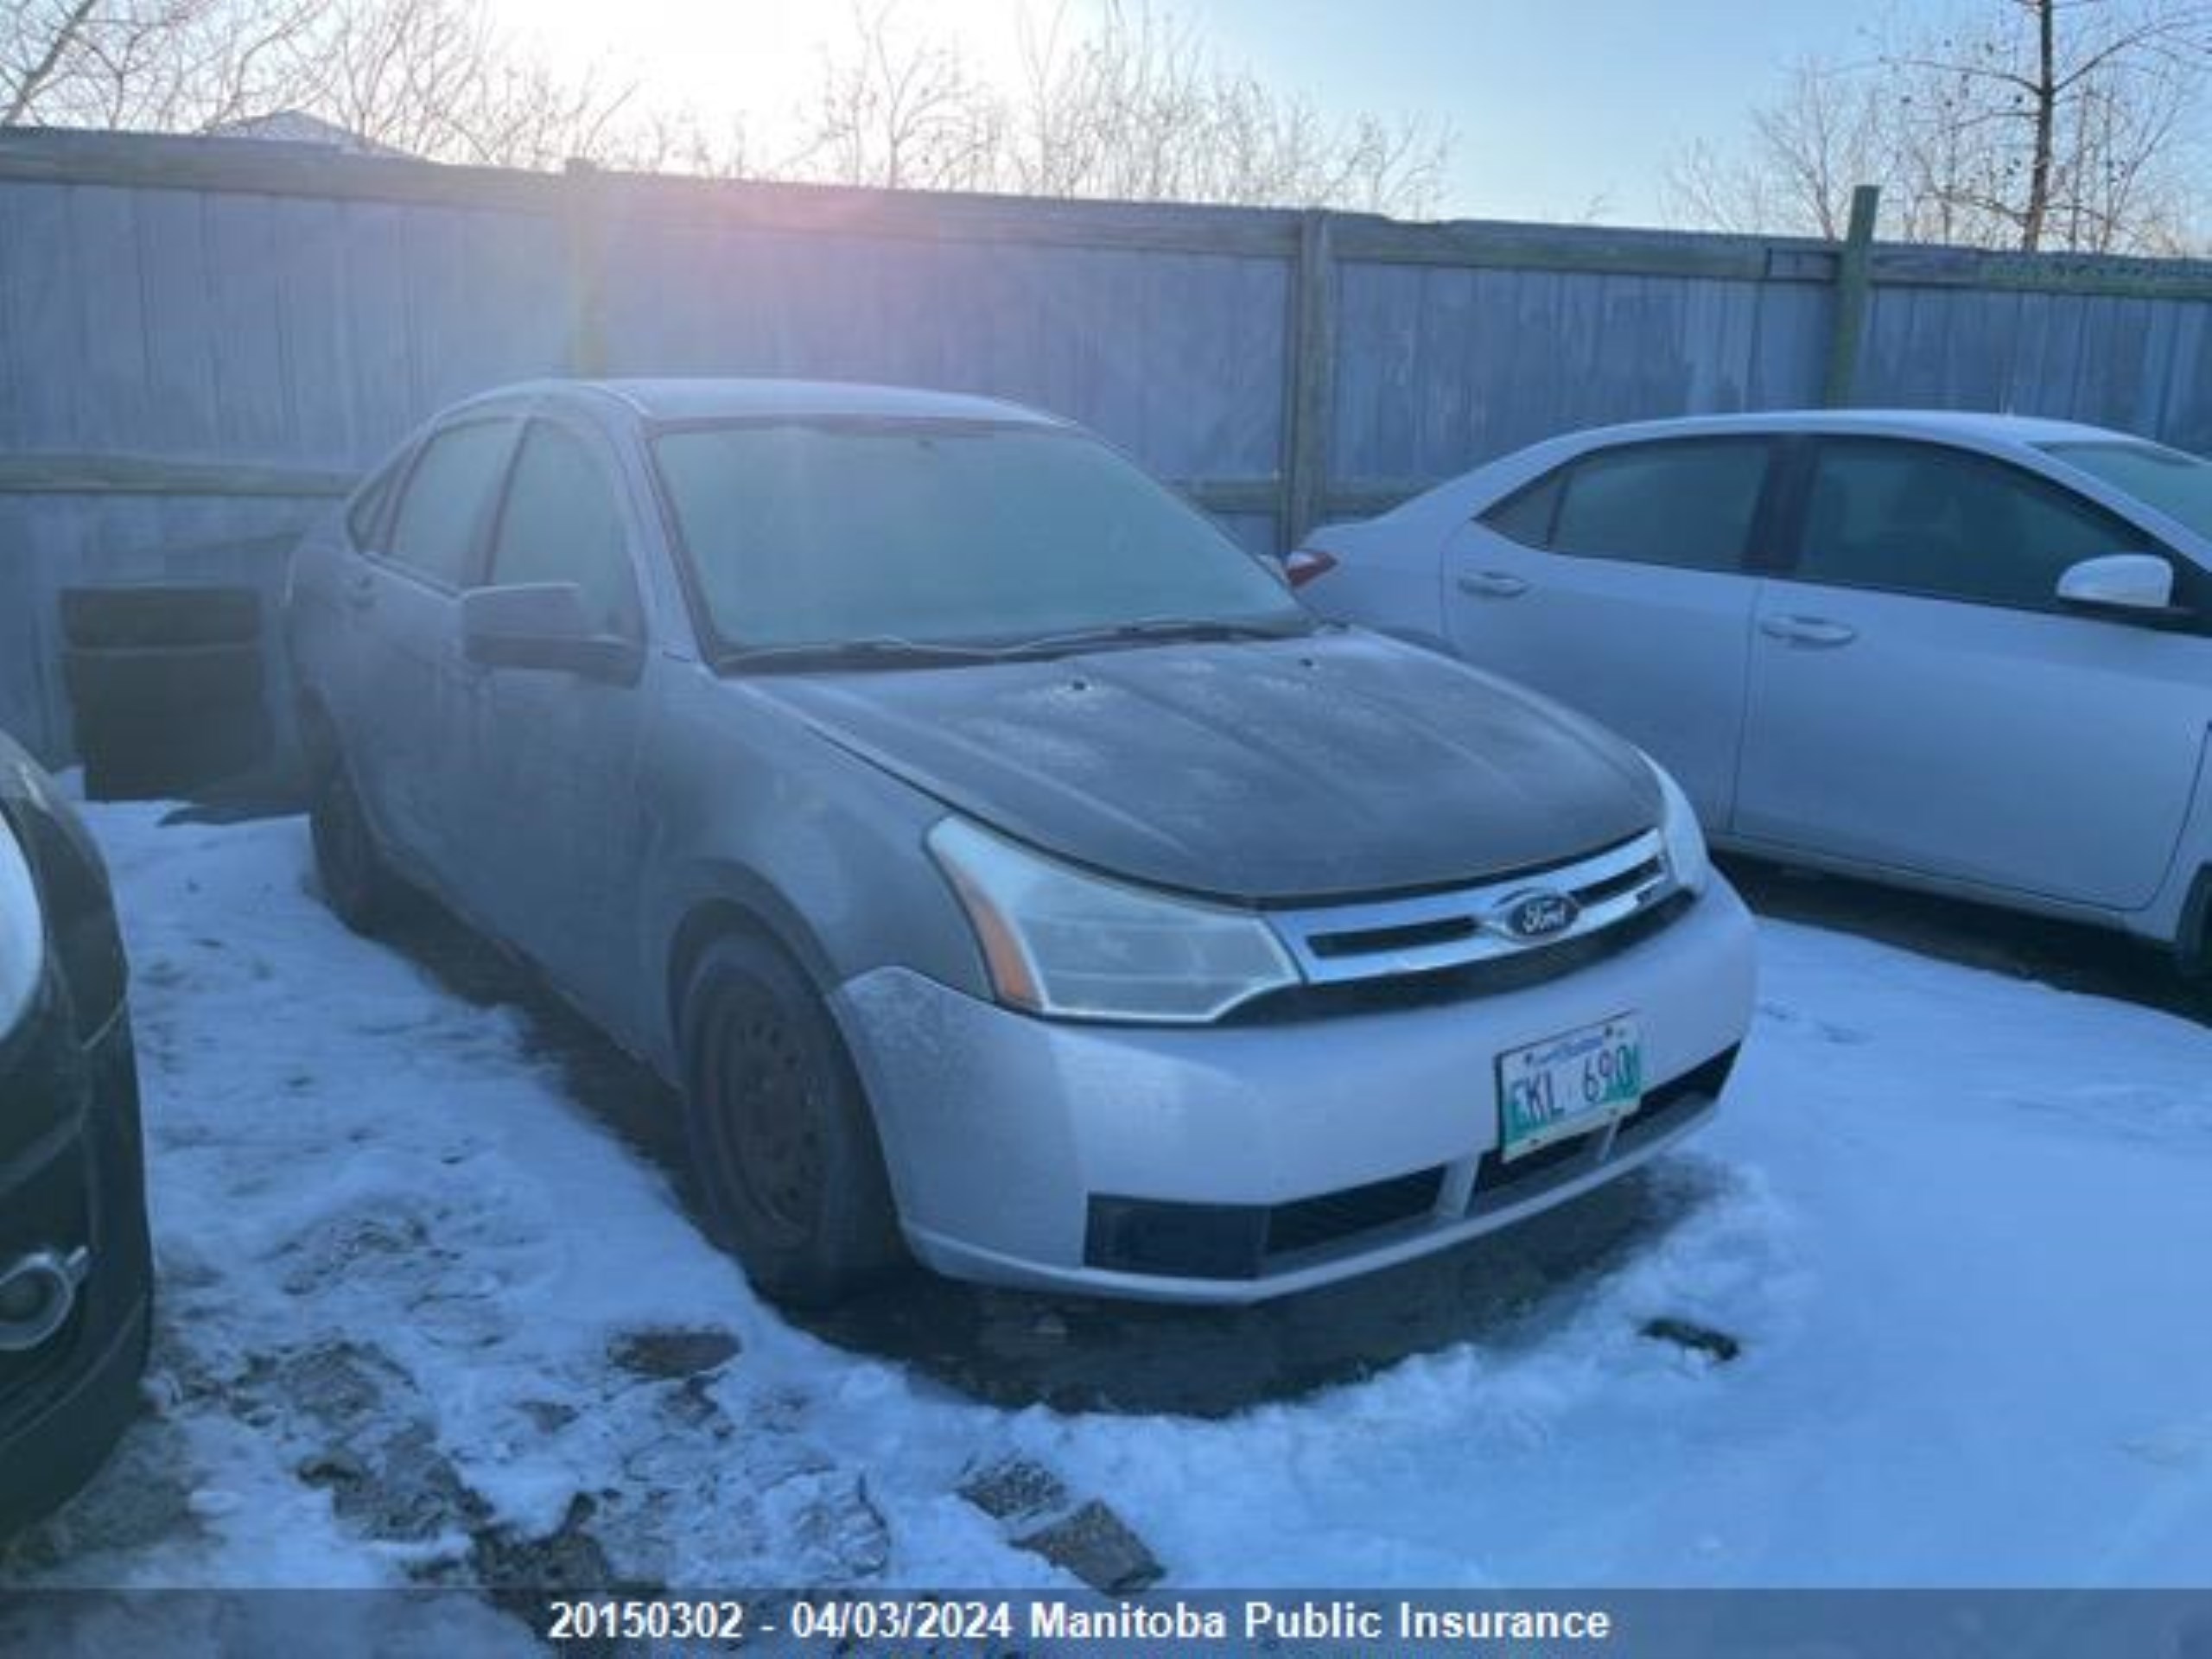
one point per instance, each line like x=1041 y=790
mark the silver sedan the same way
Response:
x=1002 y=861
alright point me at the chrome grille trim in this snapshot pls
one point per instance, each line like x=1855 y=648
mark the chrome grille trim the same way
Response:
x=1619 y=882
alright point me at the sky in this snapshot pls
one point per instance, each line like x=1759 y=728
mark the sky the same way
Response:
x=1563 y=109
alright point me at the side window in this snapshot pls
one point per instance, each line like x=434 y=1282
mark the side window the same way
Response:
x=563 y=522
x=1687 y=502
x=442 y=510
x=1921 y=518
x=1527 y=515
x=366 y=513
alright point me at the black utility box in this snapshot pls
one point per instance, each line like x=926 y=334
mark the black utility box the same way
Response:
x=166 y=686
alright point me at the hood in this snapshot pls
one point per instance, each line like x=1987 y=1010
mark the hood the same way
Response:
x=1337 y=765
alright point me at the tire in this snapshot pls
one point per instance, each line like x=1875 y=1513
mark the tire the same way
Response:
x=2192 y=945
x=356 y=882
x=784 y=1149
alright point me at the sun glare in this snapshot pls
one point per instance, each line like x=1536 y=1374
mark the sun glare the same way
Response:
x=757 y=62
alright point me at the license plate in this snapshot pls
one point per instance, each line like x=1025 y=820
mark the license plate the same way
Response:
x=1569 y=1085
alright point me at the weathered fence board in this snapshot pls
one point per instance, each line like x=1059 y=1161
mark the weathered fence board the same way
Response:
x=201 y=340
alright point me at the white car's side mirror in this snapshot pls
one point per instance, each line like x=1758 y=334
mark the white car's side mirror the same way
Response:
x=2127 y=581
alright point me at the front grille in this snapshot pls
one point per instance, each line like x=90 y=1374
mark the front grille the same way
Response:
x=1441 y=987
x=1374 y=941
x=1433 y=931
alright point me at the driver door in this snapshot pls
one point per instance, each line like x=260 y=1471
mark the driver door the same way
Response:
x=559 y=830
x=1920 y=701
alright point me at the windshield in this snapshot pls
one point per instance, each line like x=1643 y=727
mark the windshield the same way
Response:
x=809 y=533
x=2177 y=484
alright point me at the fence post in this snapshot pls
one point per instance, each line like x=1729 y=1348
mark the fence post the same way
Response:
x=1313 y=378
x=586 y=204
x=1854 y=281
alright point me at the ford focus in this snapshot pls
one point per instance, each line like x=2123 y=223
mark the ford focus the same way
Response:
x=1005 y=868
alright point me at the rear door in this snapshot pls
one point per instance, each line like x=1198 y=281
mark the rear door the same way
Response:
x=403 y=730
x=556 y=847
x=1920 y=701
x=1622 y=584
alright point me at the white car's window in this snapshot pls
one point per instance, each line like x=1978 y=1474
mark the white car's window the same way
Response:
x=2169 y=480
x=1922 y=518
x=563 y=522
x=449 y=495
x=806 y=533
x=1687 y=502
x=1527 y=514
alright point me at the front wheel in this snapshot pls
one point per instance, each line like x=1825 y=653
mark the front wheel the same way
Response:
x=782 y=1144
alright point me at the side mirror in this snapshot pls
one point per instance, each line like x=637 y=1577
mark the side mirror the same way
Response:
x=543 y=624
x=2120 y=582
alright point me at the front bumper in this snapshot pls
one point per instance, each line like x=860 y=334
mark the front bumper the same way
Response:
x=76 y=1182
x=1235 y=1163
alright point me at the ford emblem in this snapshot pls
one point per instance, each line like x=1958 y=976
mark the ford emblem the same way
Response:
x=1542 y=915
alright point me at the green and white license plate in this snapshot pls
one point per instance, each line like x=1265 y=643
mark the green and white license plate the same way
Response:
x=1569 y=1085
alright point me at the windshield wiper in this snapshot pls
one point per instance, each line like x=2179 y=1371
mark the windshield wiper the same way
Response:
x=886 y=650
x=892 y=651
x=1152 y=629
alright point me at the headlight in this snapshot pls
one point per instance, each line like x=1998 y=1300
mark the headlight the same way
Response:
x=1061 y=942
x=1685 y=854
x=22 y=932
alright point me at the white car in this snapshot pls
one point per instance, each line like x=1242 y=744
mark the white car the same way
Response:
x=1962 y=653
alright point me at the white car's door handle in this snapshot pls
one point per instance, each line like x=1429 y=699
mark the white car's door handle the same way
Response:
x=1493 y=584
x=1807 y=631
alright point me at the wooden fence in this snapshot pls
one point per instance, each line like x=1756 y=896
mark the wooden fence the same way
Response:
x=203 y=341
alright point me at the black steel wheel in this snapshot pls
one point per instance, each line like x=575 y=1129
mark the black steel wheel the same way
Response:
x=782 y=1144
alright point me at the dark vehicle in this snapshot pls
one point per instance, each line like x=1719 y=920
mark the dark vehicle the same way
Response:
x=76 y=1280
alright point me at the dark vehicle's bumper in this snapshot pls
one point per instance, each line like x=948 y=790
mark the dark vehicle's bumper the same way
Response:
x=71 y=1177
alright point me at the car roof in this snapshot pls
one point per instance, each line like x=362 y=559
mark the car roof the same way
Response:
x=1956 y=425
x=676 y=399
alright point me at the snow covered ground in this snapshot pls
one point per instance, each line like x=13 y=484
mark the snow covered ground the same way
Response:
x=426 y=1313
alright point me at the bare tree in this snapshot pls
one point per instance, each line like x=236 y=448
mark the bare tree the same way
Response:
x=432 y=78
x=2030 y=123
x=401 y=73
x=1135 y=104
x=39 y=41
x=2065 y=100
x=170 y=64
x=1823 y=134
x=435 y=77
x=655 y=140
x=900 y=109
x=1113 y=100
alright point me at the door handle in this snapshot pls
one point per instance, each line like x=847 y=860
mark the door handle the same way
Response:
x=1812 y=631
x=359 y=592
x=1493 y=584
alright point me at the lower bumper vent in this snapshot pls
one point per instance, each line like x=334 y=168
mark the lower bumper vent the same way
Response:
x=1235 y=1241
